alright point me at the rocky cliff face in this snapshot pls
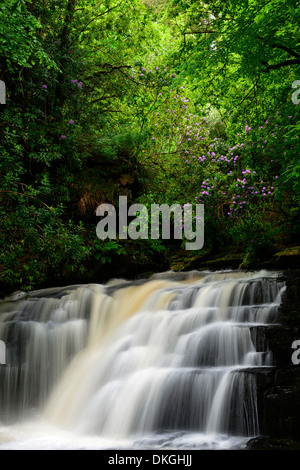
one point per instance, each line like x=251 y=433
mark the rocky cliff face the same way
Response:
x=279 y=391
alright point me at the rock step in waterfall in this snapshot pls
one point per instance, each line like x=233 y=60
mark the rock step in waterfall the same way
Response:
x=148 y=361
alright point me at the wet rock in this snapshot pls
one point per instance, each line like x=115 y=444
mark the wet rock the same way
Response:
x=280 y=397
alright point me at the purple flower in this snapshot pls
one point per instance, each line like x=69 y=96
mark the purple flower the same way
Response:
x=80 y=85
x=63 y=137
x=71 y=121
x=45 y=87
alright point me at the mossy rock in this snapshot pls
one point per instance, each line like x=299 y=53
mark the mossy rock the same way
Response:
x=287 y=258
x=291 y=251
x=184 y=261
x=228 y=260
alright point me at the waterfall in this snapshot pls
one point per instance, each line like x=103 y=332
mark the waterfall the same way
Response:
x=168 y=361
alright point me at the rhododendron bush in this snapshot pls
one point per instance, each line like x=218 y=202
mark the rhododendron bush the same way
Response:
x=176 y=102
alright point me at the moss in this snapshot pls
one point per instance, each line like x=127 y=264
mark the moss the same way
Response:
x=184 y=260
x=291 y=251
x=205 y=260
x=287 y=258
x=228 y=260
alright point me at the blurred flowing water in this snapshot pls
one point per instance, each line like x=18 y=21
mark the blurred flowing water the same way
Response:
x=170 y=362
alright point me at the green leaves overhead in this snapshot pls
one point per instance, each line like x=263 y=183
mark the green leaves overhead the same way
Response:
x=241 y=48
x=20 y=44
x=175 y=101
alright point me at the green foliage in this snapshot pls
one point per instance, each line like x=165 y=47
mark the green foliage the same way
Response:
x=177 y=102
x=256 y=237
x=106 y=248
x=20 y=44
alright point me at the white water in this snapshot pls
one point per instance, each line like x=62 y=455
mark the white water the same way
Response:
x=167 y=363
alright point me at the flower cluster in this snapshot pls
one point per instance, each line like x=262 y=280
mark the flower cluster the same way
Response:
x=158 y=76
x=243 y=177
x=71 y=122
x=79 y=84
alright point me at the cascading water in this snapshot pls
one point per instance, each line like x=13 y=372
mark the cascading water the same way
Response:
x=169 y=362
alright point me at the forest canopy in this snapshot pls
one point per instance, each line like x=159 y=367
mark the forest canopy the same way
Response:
x=163 y=101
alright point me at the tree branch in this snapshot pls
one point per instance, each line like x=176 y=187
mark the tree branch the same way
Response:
x=112 y=68
x=95 y=18
x=201 y=32
x=36 y=199
x=285 y=63
x=106 y=97
x=286 y=49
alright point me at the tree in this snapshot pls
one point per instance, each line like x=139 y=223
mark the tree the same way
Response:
x=67 y=68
